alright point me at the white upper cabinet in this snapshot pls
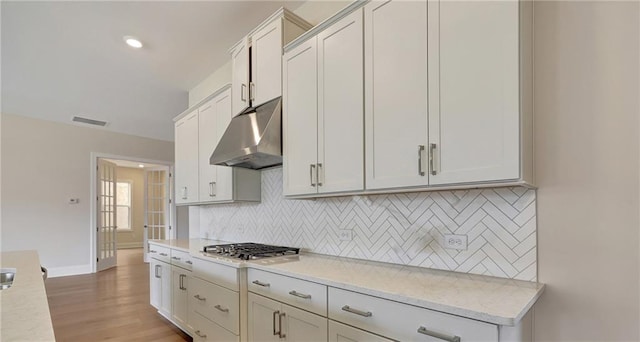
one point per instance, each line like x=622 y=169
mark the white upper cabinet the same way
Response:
x=240 y=76
x=258 y=81
x=395 y=96
x=266 y=63
x=197 y=135
x=323 y=112
x=207 y=143
x=300 y=120
x=340 y=108
x=186 y=156
x=474 y=103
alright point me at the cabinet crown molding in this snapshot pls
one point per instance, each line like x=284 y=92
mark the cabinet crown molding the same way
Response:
x=201 y=102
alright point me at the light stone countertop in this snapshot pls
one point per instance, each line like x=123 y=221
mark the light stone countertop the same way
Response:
x=489 y=299
x=24 y=308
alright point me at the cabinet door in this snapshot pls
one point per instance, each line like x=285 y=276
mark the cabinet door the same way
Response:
x=266 y=63
x=186 y=155
x=155 y=283
x=223 y=188
x=179 y=312
x=395 y=93
x=208 y=139
x=339 y=332
x=240 y=77
x=299 y=115
x=207 y=331
x=264 y=318
x=167 y=291
x=474 y=93
x=299 y=325
x=340 y=108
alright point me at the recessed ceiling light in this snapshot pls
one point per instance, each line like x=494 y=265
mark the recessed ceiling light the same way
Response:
x=132 y=41
x=140 y=165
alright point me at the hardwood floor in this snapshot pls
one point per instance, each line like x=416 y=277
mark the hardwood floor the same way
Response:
x=109 y=305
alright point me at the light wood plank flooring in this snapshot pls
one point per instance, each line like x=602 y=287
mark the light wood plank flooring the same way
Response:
x=109 y=305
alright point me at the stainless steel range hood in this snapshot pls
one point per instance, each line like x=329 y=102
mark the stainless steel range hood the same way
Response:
x=253 y=139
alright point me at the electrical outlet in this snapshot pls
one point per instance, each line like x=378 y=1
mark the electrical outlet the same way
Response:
x=452 y=241
x=345 y=235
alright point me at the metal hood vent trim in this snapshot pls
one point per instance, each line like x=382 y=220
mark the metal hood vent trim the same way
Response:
x=253 y=139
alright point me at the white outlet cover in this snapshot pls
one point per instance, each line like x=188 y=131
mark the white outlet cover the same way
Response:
x=453 y=241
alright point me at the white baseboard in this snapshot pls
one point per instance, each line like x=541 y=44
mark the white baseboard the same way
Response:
x=68 y=270
x=127 y=245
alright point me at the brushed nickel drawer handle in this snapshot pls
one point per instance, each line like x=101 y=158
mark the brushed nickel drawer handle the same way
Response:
x=199 y=298
x=318 y=174
x=300 y=295
x=164 y=254
x=312 y=168
x=175 y=258
x=153 y=251
x=258 y=282
x=243 y=96
x=425 y=331
x=420 y=151
x=156 y=271
x=357 y=312
x=221 y=308
x=189 y=262
x=200 y=335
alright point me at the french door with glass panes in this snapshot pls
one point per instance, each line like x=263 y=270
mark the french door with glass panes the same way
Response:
x=156 y=206
x=107 y=216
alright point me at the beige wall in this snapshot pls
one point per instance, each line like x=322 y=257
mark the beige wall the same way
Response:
x=45 y=163
x=587 y=167
x=133 y=238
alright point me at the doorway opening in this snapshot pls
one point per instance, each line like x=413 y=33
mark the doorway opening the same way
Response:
x=132 y=205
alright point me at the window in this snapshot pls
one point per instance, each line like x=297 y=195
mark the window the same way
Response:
x=123 y=205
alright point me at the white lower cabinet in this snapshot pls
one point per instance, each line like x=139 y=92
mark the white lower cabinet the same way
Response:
x=404 y=322
x=270 y=320
x=181 y=279
x=339 y=332
x=205 y=330
x=160 y=286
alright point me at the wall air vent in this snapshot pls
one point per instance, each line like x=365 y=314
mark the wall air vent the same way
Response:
x=89 y=121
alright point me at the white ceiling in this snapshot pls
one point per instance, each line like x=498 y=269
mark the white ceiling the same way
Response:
x=65 y=59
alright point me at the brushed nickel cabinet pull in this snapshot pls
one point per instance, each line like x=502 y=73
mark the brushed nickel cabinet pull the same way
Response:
x=164 y=254
x=221 y=308
x=199 y=298
x=189 y=262
x=319 y=173
x=252 y=91
x=275 y=314
x=280 y=334
x=357 y=312
x=157 y=267
x=243 y=89
x=420 y=150
x=432 y=168
x=312 y=167
x=425 y=331
x=259 y=283
x=300 y=295
x=175 y=258
x=184 y=192
x=200 y=335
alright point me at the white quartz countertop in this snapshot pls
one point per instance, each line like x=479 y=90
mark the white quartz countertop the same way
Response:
x=489 y=299
x=24 y=307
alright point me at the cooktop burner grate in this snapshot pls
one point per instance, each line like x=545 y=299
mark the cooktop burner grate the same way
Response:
x=249 y=250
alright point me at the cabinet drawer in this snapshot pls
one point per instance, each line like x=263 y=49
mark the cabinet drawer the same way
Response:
x=218 y=274
x=403 y=322
x=339 y=332
x=300 y=293
x=216 y=303
x=181 y=259
x=205 y=330
x=159 y=252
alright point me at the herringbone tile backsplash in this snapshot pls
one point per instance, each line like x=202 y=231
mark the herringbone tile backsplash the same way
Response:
x=405 y=228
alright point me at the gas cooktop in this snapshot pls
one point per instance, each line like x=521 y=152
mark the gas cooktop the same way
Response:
x=249 y=250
